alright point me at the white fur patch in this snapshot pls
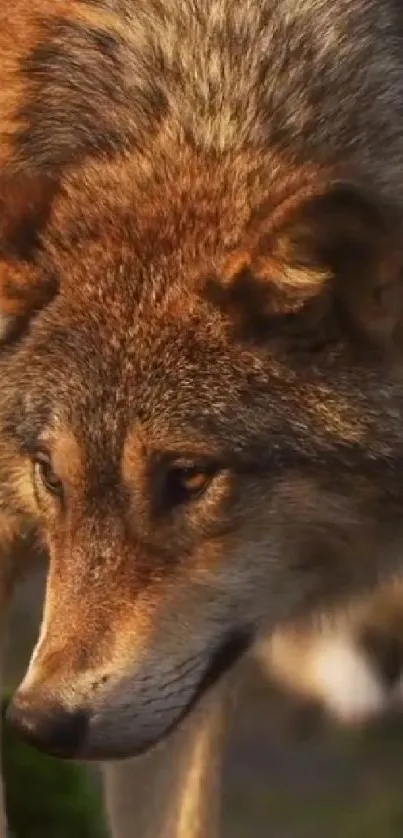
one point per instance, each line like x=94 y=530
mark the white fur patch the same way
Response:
x=346 y=681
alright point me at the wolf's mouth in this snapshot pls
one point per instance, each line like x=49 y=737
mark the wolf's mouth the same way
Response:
x=222 y=659
x=229 y=651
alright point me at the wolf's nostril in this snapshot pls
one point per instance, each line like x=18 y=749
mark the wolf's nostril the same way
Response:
x=48 y=725
x=386 y=654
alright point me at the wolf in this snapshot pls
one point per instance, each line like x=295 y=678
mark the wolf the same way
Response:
x=201 y=339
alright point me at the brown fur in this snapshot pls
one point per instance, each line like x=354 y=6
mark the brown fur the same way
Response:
x=201 y=313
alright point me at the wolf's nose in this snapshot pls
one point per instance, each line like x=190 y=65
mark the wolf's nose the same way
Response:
x=48 y=725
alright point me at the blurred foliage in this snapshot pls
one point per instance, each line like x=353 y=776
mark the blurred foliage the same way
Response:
x=360 y=797
x=48 y=798
x=372 y=816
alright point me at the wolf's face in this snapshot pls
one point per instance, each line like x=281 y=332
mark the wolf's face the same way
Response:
x=202 y=419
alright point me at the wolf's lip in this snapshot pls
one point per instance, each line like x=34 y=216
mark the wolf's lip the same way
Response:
x=229 y=651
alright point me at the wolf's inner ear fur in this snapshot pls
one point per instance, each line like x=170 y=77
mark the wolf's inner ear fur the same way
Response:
x=25 y=203
x=333 y=249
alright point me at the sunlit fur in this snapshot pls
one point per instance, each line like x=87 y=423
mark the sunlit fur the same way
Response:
x=200 y=261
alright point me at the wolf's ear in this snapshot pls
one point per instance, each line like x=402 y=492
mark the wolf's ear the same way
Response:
x=336 y=250
x=25 y=203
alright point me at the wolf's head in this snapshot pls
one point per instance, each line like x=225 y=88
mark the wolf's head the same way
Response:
x=201 y=414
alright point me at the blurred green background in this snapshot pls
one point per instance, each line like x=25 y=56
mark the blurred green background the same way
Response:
x=288 y=773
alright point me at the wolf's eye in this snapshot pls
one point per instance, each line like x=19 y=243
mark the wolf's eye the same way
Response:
x=187 y=482
x=44 y=472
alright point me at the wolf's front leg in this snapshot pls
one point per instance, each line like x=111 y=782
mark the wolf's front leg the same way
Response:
x=175 y=790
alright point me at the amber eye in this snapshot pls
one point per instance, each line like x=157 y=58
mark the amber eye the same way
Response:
x=44 y=473
x=186 y=482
